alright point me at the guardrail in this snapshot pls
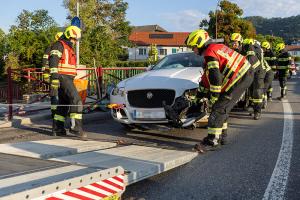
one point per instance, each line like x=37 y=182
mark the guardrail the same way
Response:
x=99 y=79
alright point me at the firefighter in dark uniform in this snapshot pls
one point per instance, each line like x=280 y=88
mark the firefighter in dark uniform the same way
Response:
x=270 y=58
x=284 y=62
x=255 y=57
x=227 y=75
x=46 y=75
x=62 y=63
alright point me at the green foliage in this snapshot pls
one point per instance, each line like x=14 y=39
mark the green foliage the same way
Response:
x=272 y=39
x=27 y=40
x=297 y=58
x=106 y=30
x=228 y=21
x=288 y=28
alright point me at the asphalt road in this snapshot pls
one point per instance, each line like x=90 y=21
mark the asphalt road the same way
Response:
x=243 y=169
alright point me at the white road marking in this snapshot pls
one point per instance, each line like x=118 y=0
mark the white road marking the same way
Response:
x=277 y=185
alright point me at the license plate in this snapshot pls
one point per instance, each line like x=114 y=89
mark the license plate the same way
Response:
x=143 y=114
x=114 y=197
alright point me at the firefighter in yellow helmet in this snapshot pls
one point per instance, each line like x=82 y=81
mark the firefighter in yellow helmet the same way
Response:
x=284 y=62
x=270 y=58
x=227 y=75
x=46 y=74
x=236 y=41
x=62 y=63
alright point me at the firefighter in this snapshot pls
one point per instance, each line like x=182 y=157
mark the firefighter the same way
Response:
x=236 y=41
x=270 y=58
x=227 y=75
x=46 y=75
x=255 y=56
x=62 y=63
x=283 y=65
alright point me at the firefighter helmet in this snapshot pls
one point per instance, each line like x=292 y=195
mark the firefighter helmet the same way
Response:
x=73 y=32
x=197 y=38
x=58 y=35
x=266 y=45
x=248 y=41
x=279 y=47
x=236 y=37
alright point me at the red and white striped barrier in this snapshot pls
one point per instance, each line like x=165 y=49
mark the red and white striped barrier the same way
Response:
x=96 y=191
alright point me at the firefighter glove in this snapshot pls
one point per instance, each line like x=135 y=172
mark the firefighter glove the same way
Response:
x=46 y=77
x=213 y=99
x=54 y=84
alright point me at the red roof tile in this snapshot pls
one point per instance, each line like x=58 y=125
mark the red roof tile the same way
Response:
x=173 y=38
x=292 y=47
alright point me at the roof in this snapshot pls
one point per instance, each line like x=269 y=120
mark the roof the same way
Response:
x=148 y=28
x=292 y=47
x=160 y=39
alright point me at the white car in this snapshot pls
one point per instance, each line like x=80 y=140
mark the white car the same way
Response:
x=141 y=99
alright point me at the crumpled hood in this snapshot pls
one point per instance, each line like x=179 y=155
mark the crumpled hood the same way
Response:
x=177 y=79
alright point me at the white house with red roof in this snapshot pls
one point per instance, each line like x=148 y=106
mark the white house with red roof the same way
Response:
x=166 y=42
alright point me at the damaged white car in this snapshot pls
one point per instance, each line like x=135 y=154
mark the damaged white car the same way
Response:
x=162 y=94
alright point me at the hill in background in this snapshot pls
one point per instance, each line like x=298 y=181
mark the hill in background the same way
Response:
x=288 y=28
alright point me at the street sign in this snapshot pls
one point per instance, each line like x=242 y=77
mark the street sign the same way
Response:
x=76 y=22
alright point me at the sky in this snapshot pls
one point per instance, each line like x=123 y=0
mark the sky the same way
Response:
x=173 y=15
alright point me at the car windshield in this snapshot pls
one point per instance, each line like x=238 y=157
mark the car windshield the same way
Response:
x=179 y=60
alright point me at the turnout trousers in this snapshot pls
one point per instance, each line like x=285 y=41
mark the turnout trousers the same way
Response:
x=217 y=120
x=69 y=102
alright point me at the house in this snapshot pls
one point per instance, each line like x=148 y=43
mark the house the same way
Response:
x=148 y=28
x=166 y=43
x=294 y=50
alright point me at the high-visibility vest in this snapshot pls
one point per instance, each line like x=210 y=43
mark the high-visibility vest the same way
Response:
x=231 y=64
x=67 y=62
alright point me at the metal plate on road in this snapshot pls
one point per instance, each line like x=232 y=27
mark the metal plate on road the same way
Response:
x=53 y=148
x=142 y=162
x=12 y=165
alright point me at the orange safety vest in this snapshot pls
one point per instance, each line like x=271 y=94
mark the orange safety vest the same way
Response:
x=67 y=63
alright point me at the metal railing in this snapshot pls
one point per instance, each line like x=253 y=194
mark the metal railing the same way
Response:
x=98 y=80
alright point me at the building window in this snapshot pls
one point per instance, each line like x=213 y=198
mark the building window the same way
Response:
x=163 y=52
x=174 y=50
x=142 y=51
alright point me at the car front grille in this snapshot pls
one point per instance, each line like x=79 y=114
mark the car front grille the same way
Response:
x=152 y=98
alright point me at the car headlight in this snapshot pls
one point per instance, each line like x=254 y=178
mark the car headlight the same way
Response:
x=118 y=91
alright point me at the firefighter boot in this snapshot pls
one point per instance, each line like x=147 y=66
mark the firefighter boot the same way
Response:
x=58 y=128
x=209 y=143
x=282 y=93
x=76 y=128
x=269 y=96
x=223 y=138
x=257 y=115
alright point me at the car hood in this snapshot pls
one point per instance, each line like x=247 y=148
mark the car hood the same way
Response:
x=176 y=79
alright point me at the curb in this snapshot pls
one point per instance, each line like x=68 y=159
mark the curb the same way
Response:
x=46 y=115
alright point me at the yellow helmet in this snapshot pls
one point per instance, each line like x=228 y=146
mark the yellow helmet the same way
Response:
x=266 y=45
x=236 y=37
x=73 y=32
x=248 y=41
x=279 y=47
x=197 y=38
x=58 y=35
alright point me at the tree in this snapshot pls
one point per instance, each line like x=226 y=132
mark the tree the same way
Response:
x=229 y=20
x=28 y=39
x=3 y=50
x=106 y=30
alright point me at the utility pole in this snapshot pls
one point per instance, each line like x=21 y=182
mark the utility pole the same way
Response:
x=216 y=16
x=77 y=43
